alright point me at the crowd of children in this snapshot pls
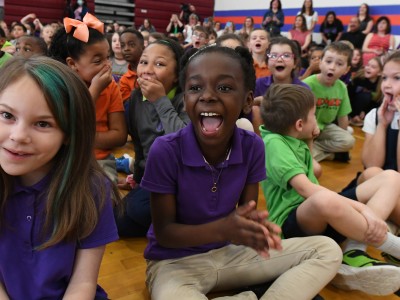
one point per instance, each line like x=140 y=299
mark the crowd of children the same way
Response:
x=193 y=182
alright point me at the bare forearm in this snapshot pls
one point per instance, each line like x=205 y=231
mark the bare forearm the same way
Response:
x=343 y=122
x=110 y=139
x=175 y=235
x=82 y=291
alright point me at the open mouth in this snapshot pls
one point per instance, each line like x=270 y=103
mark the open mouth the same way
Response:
x=210 y=122
x=389 y=97
x=258 y=45
x=197 y=44
x=330 y=75
x=279 y=68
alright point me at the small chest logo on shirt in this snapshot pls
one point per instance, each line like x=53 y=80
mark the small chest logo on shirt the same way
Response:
x=328 y=103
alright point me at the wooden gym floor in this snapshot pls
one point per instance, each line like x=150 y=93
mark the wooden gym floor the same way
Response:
x=122 y=272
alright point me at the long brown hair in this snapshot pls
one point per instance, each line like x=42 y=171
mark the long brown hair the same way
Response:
x=78 y=188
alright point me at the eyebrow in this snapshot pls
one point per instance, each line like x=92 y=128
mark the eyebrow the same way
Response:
x=42 y=117
x=221 y=76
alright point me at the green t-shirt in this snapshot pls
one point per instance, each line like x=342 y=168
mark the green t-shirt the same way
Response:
x=285 y=157
x=6 y=56
x=332 y=101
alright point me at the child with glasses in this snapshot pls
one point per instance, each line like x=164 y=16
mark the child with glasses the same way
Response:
x=333 y=104
x=282 y=59
x=199 y=38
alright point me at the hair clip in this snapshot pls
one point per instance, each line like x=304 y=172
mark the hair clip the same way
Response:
x=82 y=27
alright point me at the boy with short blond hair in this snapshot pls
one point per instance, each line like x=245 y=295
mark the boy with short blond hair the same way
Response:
x=302 y=207
x=333 y=103
x=258 y=45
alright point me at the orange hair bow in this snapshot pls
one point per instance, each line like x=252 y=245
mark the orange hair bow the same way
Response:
x=82 y=27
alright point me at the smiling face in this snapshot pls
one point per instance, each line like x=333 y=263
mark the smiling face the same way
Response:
x=158 y=62
x=333 y=65
x=282 y=67
x=91 y=61
x=356 y=58
x=258 y=41
x=391 y=82
x=214 y=97
x=372 y=70
x=29 y=138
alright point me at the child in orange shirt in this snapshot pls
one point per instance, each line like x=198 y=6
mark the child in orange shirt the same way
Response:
x=132 y=45
x=86 y=51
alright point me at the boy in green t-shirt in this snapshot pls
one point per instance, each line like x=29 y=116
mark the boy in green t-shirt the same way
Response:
x=333 y=104
x=301 y=207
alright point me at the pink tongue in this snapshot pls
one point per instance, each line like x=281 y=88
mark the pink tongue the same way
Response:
x=211 y=123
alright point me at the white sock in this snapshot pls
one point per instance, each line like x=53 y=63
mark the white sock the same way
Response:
x=352 y=245
x=391 y=245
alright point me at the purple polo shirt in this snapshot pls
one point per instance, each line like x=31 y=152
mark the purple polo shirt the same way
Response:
x=175 y=165
x=263 y=84
x=27 y=273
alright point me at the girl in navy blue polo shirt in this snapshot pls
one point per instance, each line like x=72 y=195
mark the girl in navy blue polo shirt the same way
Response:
x=56 y=208
x=206 y=233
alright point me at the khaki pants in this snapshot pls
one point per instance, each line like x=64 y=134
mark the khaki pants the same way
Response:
x=302 y=268
x=331 y=140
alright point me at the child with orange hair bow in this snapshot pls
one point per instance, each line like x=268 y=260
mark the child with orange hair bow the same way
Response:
x=83 y=46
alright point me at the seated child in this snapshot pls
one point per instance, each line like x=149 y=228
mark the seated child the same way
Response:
x=28 y=45
x=314 y=59
x=199 y=38
x=154 y=109
x=132 y=45
x=47 y=33
x=206 y=233
x=4 y=56
x=364 y=91
x=57 y=204
x=303 y=208
x=230 y=40
x=88 y=56
x=258 y=45
x=333 y=104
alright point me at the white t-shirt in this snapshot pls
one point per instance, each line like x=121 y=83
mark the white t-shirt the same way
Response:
x=310 y=19
x=370 y=122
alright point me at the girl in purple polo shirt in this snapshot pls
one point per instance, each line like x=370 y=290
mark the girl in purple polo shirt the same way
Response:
x=56 y=208
x=206 y=233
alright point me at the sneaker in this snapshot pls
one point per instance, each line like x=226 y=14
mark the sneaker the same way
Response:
x=124 y=164
x=361 y=272
x=390 y=259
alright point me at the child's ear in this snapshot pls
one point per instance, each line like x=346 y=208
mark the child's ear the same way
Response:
x=71 y=63
x=299 y=125
x=248 y=103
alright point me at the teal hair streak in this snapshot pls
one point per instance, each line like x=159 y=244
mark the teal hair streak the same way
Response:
x=57 y=92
